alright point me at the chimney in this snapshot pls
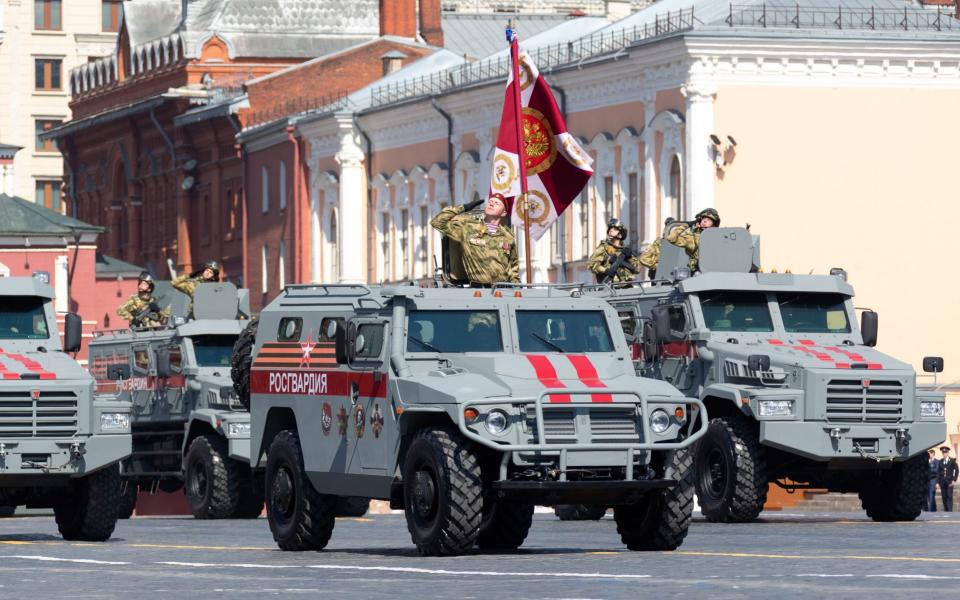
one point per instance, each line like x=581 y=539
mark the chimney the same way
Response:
x=392 y=61
x=7 y=180
x=430 y=26
x=398 y=18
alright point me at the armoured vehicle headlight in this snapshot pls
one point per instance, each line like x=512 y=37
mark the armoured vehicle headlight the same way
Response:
x=496 y=422
x=776 y=408
x=931 y=409
x=115 y=422
x=659 y=421
x=238 y=428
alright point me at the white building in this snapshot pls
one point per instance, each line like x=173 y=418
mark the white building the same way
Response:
x=40 y=41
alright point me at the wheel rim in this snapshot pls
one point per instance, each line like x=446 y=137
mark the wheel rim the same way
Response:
x=424 y=499
x=282 y=495
x=714 y=473
x=198 y=481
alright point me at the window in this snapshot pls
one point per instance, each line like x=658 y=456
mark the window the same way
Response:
x=282 y=176
x=385 y=244
x=23 y=318
x=281 y=264
x=813 y=313
x=48 y=193
x=453 y=331
x=213 y=350
x=607 y=199
x=264 y=275
x=333 y=248
x=424 y=241
x=42 y=125
x=47 y=73
x=265 y=188
x=372 y=337
x=633 y=204
x=736 y=311
x=676 y=189
x=46 y=15
x=585 y=221
x=289 y=329
x=112 y=13
x=563 y=331
x=404 y=241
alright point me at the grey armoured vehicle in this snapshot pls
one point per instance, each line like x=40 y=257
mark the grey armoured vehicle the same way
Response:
x=189 y=429
x=462 y=407
x=796 y=391
x=60 y=447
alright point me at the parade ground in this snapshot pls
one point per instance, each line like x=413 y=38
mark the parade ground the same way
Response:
x=784 y=555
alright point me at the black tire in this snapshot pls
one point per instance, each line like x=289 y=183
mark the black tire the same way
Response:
x=128 y=499
x=212 y=479
x=240 y=363
x=579 y=512
x=660 y=521
x=897 y=494
x=249 y=495
x=731 y=471
x=352 y=506
x=442 y=493
x=89 y=511
x=504 y=525
x=7 y=511
x=300 y=518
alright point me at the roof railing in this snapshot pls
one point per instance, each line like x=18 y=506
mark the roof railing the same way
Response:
x=824 y=17
x=347 y=290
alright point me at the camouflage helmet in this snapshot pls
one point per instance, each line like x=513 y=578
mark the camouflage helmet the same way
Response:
x=618 y=225
x=213 y=266
x=710 y=213
x=147 y=278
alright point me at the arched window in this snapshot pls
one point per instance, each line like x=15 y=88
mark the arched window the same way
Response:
x=676 y=189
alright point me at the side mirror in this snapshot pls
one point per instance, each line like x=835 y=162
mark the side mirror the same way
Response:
x=660 y=315
x=868 y=327
x=932 y=364
x=117 y=372
x=651 y=345
x=758 y=362
x=163 y=363
x=352 y=341
x=340 y=343
x=72 y=332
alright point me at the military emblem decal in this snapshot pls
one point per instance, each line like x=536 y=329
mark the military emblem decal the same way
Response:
x=342 y=421
x=359 y=421
x=539 y=207
x=326 y=418
x=306 y=347
x=376 y=421
x=504 y=173
x=541 y=148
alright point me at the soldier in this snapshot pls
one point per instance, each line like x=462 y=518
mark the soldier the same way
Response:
x=209 y=272
x=933 y=475
x=948 y=476
x=489 y=248
x=142 y=310
x=612 y=261
x=685 y=235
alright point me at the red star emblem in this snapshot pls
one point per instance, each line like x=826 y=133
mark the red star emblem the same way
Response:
x=307 y=347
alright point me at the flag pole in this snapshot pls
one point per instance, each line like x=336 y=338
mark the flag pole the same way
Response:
x=521 y=147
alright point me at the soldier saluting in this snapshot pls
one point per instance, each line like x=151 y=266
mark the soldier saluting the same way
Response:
x=142 y=309
x=209 y=272
x=685 y=235
x=612 y=261
x=489 y=248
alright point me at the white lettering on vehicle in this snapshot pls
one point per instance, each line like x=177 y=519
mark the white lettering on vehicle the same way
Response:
x=311 y=384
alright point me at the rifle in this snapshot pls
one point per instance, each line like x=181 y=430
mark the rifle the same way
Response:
x=152 y=311
x=621 y=262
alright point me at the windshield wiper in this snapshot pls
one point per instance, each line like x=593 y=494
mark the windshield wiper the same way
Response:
x=547 y=342
x=424 y=344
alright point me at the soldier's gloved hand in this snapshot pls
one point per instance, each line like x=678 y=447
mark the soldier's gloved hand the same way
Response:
x=136 y=322
x=154 y=307
x=472 y=205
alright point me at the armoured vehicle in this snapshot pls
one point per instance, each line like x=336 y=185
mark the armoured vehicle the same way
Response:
x=797 y=394
x=189 y=429
x=462 y=407
x=60 y=446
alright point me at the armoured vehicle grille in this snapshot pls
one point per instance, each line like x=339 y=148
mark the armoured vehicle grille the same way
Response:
x=611 y=425
x=51 y=414
x=864 y=401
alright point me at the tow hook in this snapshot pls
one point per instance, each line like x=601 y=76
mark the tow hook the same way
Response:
x=77 y=450
x=903 y=438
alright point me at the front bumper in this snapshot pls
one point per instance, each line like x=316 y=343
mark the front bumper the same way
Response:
x=73 y=457
x=605 y=493
x=821 y=441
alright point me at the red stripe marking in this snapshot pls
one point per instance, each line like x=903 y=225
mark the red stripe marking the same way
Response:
x=31 y=365
x=775 y=342
x=588 y=376
x=674 y=349
x=820 y=355
x=874 y=366
x=315 y=383
x=840 y=365
x=851 y=355
x=808 y=342
x=548 y=377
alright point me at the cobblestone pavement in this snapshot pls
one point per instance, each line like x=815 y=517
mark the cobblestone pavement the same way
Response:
x=784 y=555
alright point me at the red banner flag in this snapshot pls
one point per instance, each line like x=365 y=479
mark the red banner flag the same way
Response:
x=557 y=167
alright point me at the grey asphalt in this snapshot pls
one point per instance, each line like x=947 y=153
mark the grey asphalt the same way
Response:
x=785 y=555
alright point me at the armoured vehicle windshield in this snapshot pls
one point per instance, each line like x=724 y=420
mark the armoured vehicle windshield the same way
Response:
x=453 y=331
x=23 y=318
x=736 y=311
x=213 y=350
x=813 y=313
x=563 y=331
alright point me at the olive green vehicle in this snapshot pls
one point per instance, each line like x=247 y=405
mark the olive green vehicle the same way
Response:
x=464 y=408
x=189 y=429
x=797 y=393
x=60 y=445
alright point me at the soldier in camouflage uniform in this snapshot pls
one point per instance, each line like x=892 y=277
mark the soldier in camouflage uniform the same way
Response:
x=489 y=248
x=603 y=261
x=142 y=310
x=684 y=235
x=209 y=272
